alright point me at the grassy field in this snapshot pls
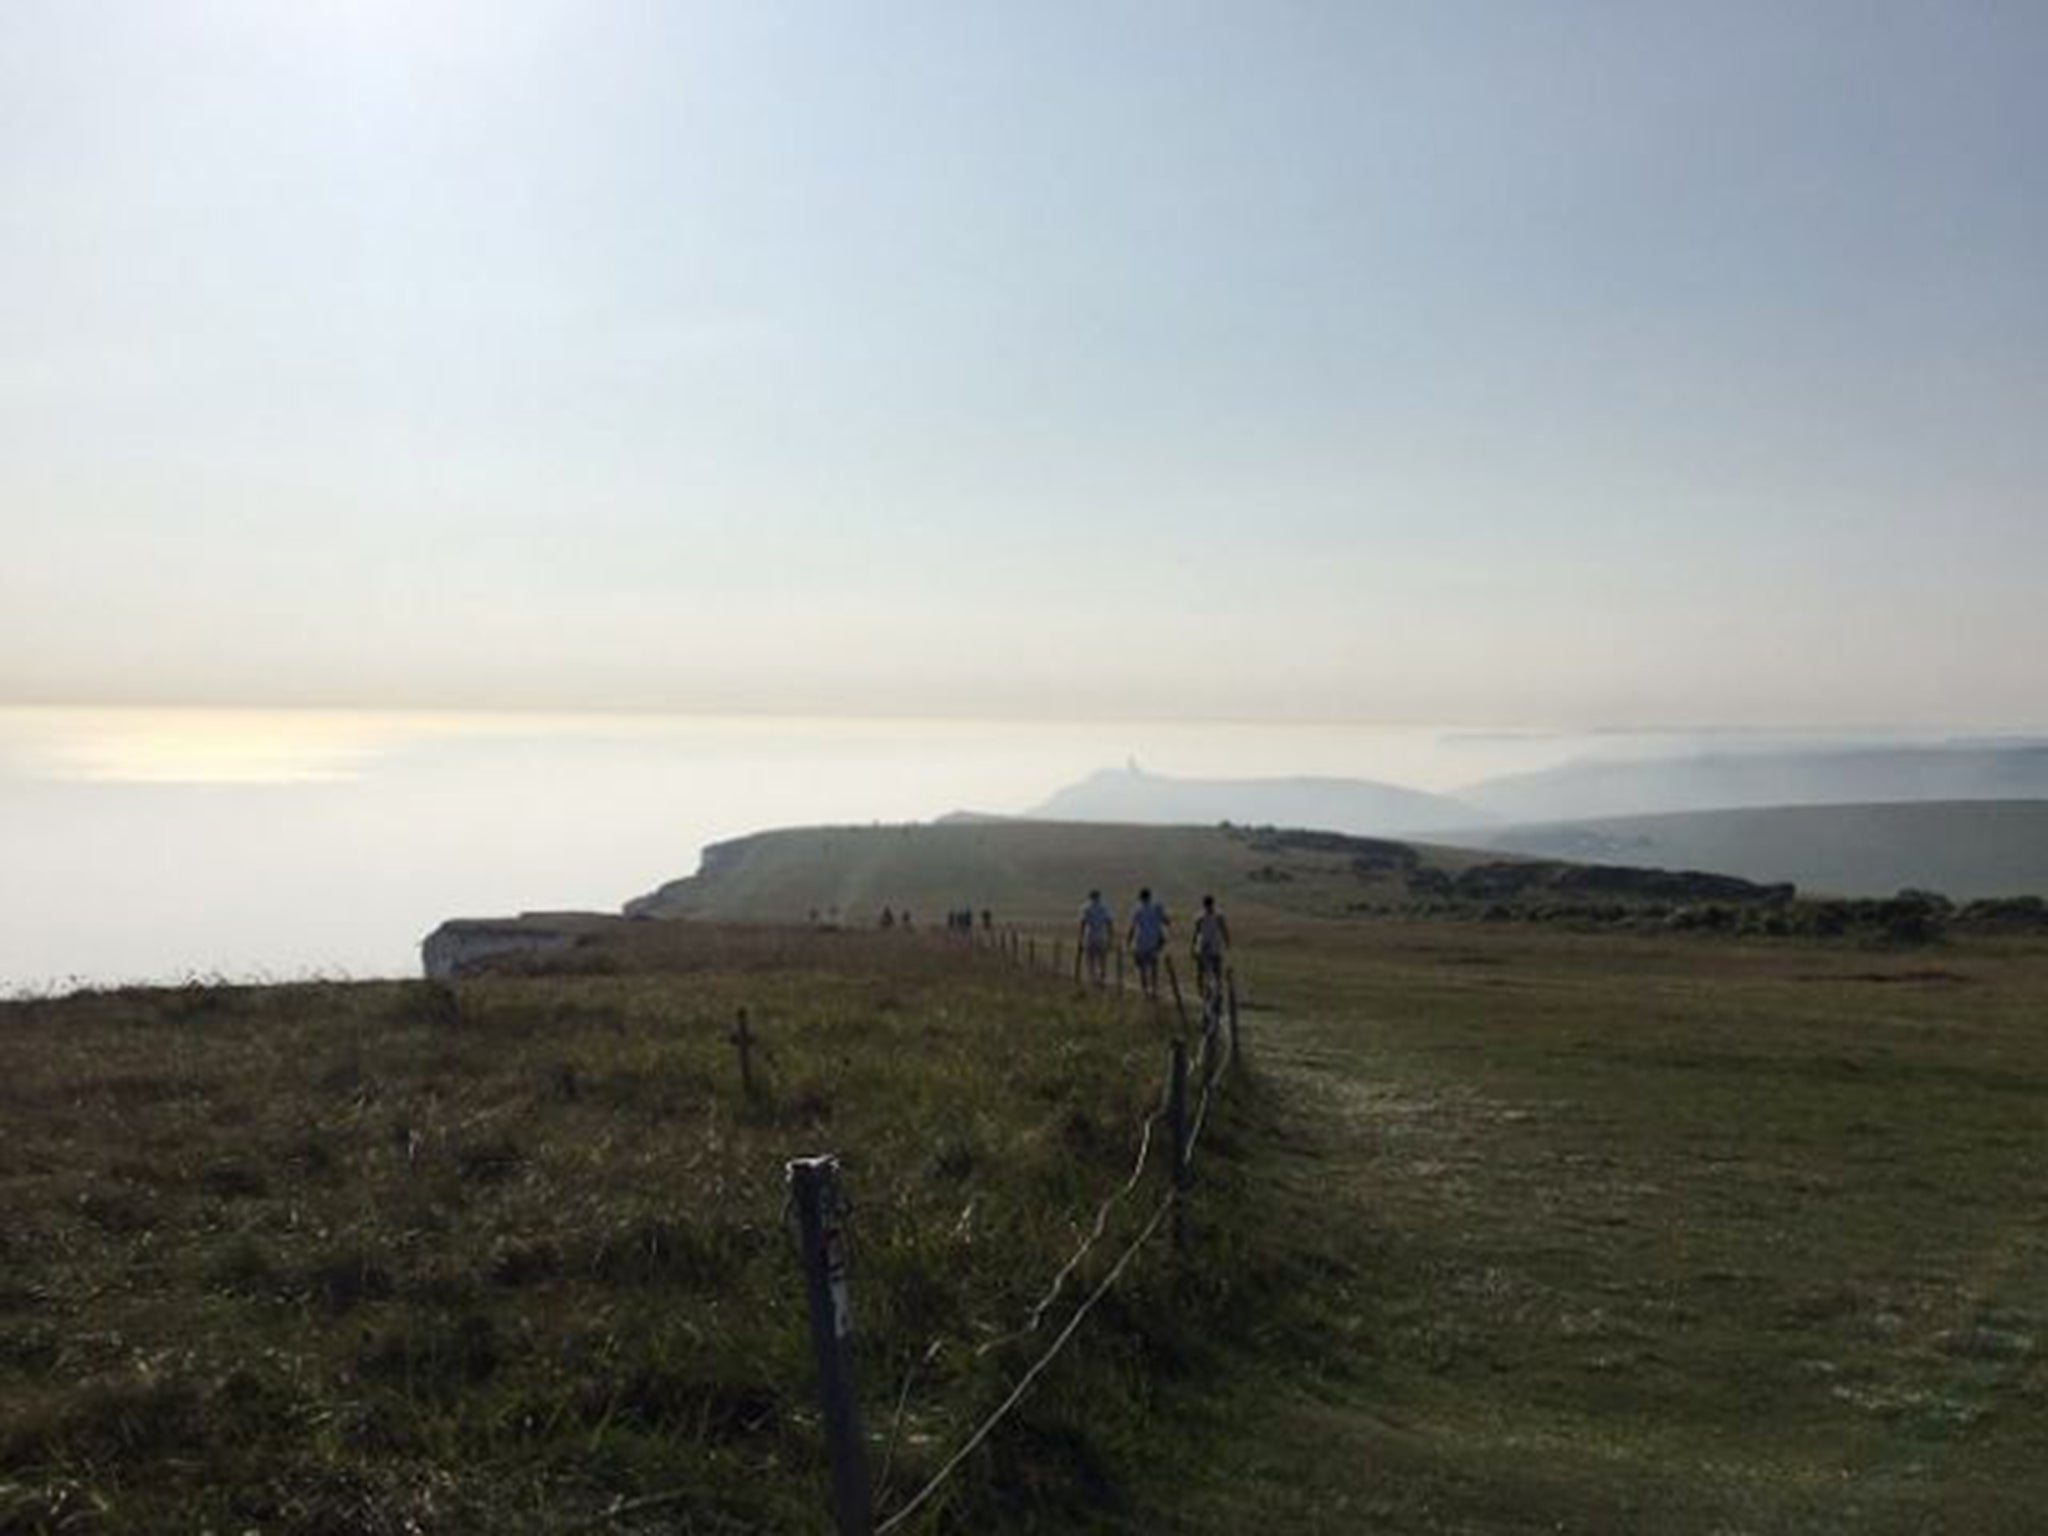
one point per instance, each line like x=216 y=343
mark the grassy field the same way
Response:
x=1504 y=1228
x=512 y=1254
x=1624 y=1234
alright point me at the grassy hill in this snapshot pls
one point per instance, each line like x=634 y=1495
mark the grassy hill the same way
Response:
x=514 y=1255
x=1023 y=872
x=1261 y=875
x=1502 y=1227
x=1964 y=849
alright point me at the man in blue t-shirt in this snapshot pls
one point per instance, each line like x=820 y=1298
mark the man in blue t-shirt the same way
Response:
x=1147 y=939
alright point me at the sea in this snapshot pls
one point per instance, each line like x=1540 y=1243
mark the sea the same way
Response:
x=167 y=846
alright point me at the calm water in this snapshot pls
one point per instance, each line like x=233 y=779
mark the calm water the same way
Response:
x=164 y=845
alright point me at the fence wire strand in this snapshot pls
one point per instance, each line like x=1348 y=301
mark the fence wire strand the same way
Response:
x=1024 y=1382
x=1101 y=1225
x=1202 y=1104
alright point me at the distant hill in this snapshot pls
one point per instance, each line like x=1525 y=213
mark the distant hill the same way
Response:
x=1032 y=874
x=1025 y=871
x=1761 y=779
x=1338 y=805
x=1964 y=849
x=1632 y=873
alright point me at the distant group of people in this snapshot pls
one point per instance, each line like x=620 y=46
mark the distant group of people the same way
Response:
x=958 y=920
x=1145 y=936
x=1146 y=931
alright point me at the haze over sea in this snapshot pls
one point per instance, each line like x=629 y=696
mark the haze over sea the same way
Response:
x=165 y=844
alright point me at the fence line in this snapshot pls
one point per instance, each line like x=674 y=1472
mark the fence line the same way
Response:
x=1094 y=1236
x=1219 y=1053
x=1212 y=1022
x=1024 y=1383
x=1045 y=1302
x=1202 y=1105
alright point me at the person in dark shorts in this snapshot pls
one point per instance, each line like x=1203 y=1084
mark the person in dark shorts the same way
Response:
x=1147 y=940
x=1211 y=943
x=1098 y=927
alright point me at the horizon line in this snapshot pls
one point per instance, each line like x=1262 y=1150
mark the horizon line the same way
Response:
x=1468 y=728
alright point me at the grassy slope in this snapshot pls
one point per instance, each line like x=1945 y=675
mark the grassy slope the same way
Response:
x=1510 y=1229
x=1021 y=872
x=1036 y=873
x=387 y=1257
x=1964 y=849
x=1606 y=1232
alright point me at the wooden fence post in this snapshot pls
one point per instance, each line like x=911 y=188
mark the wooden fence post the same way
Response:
x=1177 y=1118
x=821 y=1225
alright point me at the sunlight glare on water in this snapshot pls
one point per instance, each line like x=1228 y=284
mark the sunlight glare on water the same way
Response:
x=190 y=746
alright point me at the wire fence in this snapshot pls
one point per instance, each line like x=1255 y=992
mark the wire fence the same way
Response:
x=822 y=1220
x=821 y=1210
x=1030 y=1376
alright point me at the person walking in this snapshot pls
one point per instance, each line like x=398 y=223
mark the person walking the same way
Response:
x=1211 y=942
x=1098 y=925
x=1147 y=940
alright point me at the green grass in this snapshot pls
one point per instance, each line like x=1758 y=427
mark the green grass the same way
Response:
x=1507 y=1228
x=1622 y=1234
x=1031 y=873
x=492 y=1257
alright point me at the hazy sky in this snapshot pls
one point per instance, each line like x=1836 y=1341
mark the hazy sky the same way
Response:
x=1587 y=363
